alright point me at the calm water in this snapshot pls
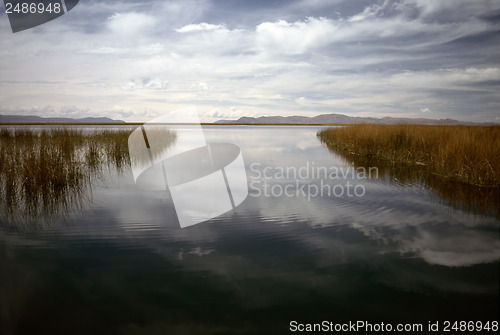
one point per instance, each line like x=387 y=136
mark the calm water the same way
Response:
x=313 y=241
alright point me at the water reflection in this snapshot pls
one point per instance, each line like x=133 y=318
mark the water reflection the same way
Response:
x=402 y=218
x=127 y=265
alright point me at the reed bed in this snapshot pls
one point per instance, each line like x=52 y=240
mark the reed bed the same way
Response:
x=468 y=154
x=460 y=164
x=47 y=172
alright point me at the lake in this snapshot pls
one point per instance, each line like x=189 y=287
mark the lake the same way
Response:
x=317 y=239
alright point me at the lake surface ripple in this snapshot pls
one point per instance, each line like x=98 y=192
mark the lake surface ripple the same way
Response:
x=315 y=240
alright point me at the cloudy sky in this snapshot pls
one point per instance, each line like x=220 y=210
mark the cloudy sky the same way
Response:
x=137 y=59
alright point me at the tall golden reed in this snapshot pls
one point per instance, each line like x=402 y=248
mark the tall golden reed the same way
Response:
x=468 y=154
x=45 y=172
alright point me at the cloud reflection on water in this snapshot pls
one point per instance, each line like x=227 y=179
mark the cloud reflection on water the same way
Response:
x=392 y=234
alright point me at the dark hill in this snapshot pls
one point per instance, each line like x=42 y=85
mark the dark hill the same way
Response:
x=38 y=119
x=343 y=119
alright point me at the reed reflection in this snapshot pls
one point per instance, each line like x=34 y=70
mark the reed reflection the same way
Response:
x=469 y=197
x=48 y=174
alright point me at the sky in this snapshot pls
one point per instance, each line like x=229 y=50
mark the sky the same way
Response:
x=135 y=60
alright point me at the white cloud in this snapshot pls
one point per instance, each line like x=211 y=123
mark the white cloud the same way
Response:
x=204 y=40
x=130 y=24
x=294 y=38
x=148 y=84
x=200 y=27
x=129 y=86
x=201 y=86
x=156 y=84
x=123 y=112
x=368 y=12
x=457 y=78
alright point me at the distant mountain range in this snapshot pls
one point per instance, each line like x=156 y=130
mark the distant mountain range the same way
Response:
x=344 y=119
x=37 y=119
x=319 y=119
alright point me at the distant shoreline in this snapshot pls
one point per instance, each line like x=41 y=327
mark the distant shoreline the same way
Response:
x=331 y=119
x=167 y=124
x=65 y=124
x=121 y=124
